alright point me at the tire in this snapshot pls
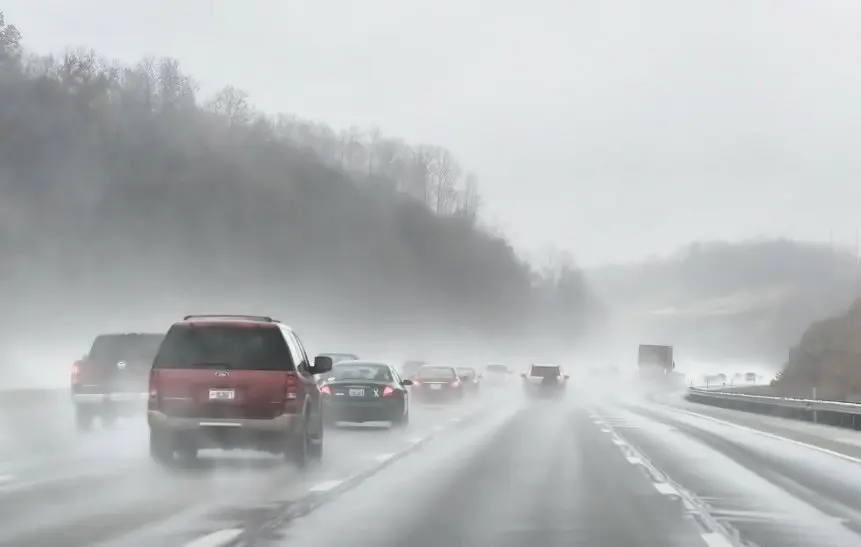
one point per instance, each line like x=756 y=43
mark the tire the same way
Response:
x=161 y=448
x=297 y=451
x=83 y=419
x=315 y=449
x=401 y=420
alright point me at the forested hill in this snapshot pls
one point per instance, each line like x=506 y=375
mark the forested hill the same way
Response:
x=122 y=191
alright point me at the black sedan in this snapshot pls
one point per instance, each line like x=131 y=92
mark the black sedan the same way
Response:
x=365 y=391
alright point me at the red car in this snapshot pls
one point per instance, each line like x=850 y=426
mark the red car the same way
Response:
x=436 y=384
x=235 y=382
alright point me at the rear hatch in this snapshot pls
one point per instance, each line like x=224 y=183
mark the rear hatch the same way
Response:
x=439 y=379
x=223 y=371
x=117 y=363
x=545 y=376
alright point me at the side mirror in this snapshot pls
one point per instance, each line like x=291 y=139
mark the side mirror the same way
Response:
x=322 y=364
x=407 y=382
x=567 y=376
x=523 y=375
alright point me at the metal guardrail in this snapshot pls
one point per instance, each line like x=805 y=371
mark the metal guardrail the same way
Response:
x=827 y=412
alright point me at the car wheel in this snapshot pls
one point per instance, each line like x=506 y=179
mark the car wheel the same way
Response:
x=161 y=447
x=315 y=448
x=402 y=419
x=297 y=451
x=83 y=419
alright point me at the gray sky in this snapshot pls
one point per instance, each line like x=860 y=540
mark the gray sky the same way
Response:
x=612 y=128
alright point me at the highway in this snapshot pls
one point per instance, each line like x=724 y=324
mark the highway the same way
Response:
x=609 y=466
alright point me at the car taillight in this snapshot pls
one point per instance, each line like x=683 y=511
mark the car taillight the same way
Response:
x=388 y=391
x=416 y=383
x=291 y=388
x=455 y=384
x=326 y=390
x=75 y=373
x=153 y=387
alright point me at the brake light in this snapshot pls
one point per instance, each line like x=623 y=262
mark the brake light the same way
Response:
x=75 y=372
x=326 y=390
x=153 y=387
x=291 y=388
x=416 y=383
x=388 y=391
x=455 y=384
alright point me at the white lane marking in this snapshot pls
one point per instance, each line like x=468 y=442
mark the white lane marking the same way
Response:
x=325 y=486
x=384 y=457
x=619 y=442
x=772 y=436
x=216 y=539
x=455 y=420
x=634 y=460
x=716 y=540
x=665 y=488
x=605 y=430
x=415 y=440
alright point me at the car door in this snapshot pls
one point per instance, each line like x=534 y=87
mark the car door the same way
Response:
x=400 y=382
x=304 y=371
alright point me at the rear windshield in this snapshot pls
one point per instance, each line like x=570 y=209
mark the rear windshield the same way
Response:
x=133 y=348
x=373 y=373
x=224 y=346
x=466 y=372
x=436 y=372
x=497 y=368
x=545 y=372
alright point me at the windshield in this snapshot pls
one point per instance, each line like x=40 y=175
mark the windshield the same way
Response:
x=437 y=372
x=338 y=357
x=466 y=372
x=496 y=368
x=224 y=346
x=369 y=372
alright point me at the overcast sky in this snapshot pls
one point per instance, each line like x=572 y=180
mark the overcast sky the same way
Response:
x=612 y=128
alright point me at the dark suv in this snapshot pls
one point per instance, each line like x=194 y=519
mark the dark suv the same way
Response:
x=111 y=380
x=235 y=382
x=544 y=381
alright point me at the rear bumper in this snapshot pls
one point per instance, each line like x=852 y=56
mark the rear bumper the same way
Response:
x=285 y=423
x=131 y=400
x=383 y=410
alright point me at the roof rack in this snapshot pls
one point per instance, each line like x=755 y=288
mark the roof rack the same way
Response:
x=232 y=316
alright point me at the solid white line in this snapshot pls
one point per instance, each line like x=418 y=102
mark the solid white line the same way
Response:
x=216 y=539
x=384 y=457
x=619 y=442
x=635 y=460
x=325 y=486
x=772 y=436
x=665 y=488
x=716 y=540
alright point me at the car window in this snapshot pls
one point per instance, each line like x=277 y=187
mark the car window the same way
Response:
x=466 y=372
x=224 y=346
x=301 y=347
x=437 y=372
x=496 y=368
x=295 y=352
x=544 y=371
x=370 y=372
x=135 y=349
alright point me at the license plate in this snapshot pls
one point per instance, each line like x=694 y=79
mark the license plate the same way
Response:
x=221 y=394
x=436 y=386
x=357 y=393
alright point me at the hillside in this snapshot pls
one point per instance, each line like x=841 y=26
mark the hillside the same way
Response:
x=124 y=195
x=827 y=357
x=722 y=300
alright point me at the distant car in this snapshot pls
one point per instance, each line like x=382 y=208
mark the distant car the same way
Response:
x=235 y=382
x=496 y=375
x=721 y=378
x=365 y=391
x=410 y=368
x=544 y=381
x=437 y=384
x=750 y=377
x=470 y=378
x=111 y=380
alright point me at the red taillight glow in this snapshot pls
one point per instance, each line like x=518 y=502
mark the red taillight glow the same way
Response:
x=388 y=391
x=326 y=390
x=291 y=387
x=455 y=384
x=75 y=372
x=153 y=387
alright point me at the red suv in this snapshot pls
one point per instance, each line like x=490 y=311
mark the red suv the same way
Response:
x=235 y=382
